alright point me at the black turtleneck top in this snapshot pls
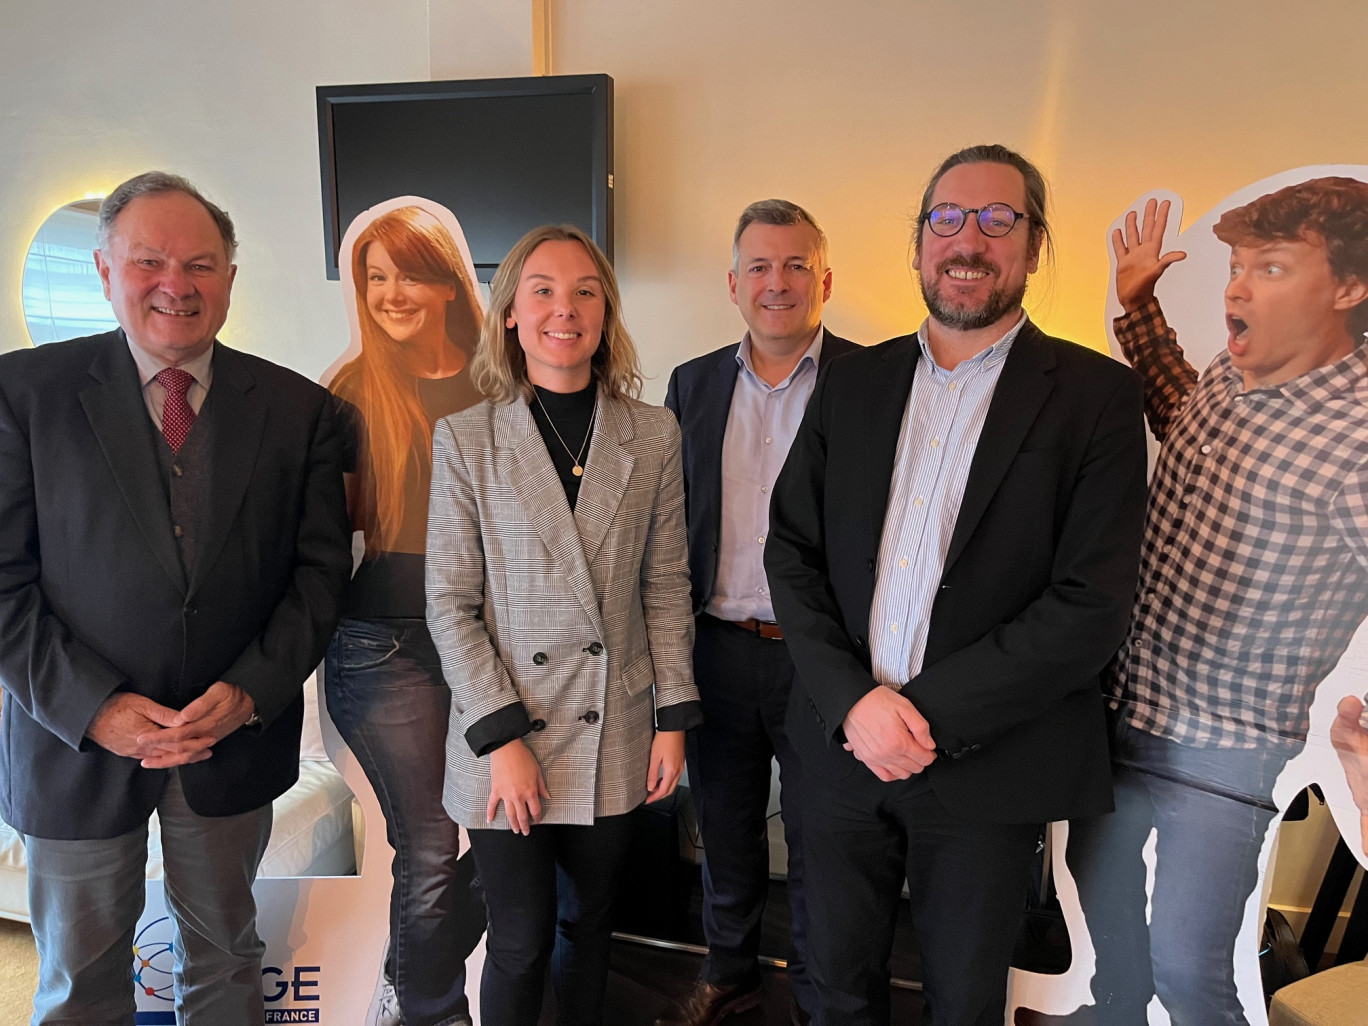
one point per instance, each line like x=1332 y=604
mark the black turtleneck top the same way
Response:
x=572 y=415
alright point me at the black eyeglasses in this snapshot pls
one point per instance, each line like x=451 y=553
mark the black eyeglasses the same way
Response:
x=994 y=220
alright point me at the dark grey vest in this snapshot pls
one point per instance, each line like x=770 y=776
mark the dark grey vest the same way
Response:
x=186 y=477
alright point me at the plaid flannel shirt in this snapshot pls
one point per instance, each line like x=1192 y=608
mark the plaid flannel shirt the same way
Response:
x=1254 y=567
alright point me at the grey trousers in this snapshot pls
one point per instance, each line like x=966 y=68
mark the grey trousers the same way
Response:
x=85 y=898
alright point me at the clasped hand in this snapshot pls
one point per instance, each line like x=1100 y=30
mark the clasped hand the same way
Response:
x=160 y=737
x=886 y=733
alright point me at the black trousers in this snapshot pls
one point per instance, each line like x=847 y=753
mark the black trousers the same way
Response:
x=744 y=681
x=550 y=899
x=968 y=882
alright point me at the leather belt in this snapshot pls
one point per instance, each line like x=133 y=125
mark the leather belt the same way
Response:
x=760 y=628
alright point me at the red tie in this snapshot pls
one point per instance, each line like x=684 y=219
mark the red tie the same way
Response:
x=177 y=416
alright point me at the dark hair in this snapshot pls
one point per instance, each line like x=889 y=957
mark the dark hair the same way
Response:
x=153 y=183
x=1331 y=210
x=781 y=213
x=1037 y=192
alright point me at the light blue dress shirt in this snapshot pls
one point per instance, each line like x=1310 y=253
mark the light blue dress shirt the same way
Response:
x=761 y=426
x=940 y=432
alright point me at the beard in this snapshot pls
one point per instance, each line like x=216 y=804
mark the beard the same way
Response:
x=996 y=305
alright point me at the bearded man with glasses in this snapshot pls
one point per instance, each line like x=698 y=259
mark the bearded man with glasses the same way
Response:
x=952 y=554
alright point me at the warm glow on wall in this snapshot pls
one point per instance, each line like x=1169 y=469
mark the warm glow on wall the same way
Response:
x=720 y=104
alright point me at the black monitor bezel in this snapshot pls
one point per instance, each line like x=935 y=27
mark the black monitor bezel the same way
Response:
x=598 y=87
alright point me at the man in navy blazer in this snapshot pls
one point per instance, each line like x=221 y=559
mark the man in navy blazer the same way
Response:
x=738 y=409
x=173 y=545
x=953 y=550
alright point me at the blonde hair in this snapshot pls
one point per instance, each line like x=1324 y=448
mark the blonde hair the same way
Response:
x=500 y=367
x=396 y=437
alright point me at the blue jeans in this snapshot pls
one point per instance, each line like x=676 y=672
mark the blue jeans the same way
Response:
x=1211 y=808
x=86 y=896
x=386 y=694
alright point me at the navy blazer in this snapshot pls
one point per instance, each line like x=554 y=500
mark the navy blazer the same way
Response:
x=700 y=394
x=1034 y=596
x=94 y=598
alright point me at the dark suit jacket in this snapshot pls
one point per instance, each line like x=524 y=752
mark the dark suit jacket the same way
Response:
x=700 y=394
x=1036 y=588
x=93 y=597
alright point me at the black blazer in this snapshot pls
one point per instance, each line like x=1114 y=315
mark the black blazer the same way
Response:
x=1036 y=589
x=93 y=597
x=700 y=394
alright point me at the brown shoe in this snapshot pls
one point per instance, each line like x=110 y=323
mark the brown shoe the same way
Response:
x=706 y=1005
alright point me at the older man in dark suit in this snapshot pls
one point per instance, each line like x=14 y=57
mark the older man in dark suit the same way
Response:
x=173 y=543
x=953 y=549
x=738 y=409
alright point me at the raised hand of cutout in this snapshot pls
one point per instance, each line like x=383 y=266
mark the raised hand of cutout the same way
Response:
x=1138 y=260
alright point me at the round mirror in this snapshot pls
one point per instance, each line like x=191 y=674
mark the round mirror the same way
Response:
x=63 y=297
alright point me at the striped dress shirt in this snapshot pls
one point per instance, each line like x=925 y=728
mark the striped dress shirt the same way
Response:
x=940 y=432
x=761 y=425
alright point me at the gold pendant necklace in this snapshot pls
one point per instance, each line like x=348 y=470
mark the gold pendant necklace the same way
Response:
x=578 y=468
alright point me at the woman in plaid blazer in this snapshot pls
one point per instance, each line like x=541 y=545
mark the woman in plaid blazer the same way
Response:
x=558 y=598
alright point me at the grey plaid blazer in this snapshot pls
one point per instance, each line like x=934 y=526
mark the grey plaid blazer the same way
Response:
x=576 y=615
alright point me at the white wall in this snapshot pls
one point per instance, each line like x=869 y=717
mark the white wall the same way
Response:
x=844 y=108
x=223 y=93
x=481 y=38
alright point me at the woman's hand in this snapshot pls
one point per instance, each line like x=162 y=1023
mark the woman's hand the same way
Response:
x=515 y=778
x=667 y=764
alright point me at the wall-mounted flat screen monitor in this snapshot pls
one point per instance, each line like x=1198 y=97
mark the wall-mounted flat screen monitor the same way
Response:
x=503 y=154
